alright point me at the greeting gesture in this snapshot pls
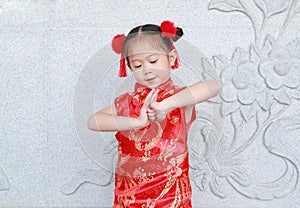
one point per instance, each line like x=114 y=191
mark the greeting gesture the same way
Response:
x=143 y=119
x=157 y=111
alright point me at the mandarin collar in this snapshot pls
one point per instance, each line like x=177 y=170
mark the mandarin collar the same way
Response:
x=167 y=85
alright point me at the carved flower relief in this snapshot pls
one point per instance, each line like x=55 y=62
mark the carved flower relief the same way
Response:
x=216 y=166
x=281 y=72
x=242 y=84
x=272 y=72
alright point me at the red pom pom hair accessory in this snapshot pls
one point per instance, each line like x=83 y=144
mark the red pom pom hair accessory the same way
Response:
x=118 y=47
x=169 y=30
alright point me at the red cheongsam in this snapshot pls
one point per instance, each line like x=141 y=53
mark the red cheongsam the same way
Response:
x=153 y=169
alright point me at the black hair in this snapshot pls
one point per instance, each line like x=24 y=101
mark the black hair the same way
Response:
x=148 y=29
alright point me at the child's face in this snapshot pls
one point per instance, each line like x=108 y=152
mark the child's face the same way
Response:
x=150 y=67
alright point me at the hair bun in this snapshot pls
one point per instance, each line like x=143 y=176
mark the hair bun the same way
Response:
x=179 y=34
x=168 y=29
x=117 y=43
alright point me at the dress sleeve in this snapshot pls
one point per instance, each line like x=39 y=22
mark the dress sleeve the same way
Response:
x=122 y=104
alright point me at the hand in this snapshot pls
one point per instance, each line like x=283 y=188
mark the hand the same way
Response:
x=158 y=110
x=143 y=119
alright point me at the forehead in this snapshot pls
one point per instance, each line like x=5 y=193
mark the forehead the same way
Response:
x=145 y=44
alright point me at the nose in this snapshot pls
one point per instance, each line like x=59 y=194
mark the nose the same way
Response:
x=147 y=70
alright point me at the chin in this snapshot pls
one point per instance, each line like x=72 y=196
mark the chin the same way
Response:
x=151 y=86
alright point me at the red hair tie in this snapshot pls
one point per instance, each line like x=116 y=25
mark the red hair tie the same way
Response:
x=117 y=45
x=169 y=30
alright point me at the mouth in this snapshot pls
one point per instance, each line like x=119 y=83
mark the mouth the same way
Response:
x=150 y=79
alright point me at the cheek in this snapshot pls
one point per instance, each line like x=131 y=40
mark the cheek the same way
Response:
x=166 y=64
x=138 y=74
x=162 y=71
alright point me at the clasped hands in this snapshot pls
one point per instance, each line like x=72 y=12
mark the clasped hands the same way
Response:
x=152 y=110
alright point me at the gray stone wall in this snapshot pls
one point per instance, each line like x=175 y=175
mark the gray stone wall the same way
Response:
x=57 y=68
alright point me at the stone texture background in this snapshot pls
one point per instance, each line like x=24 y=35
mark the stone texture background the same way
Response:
x=244 y=154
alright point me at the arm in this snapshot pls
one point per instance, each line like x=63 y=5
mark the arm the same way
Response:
x=107 y=120
x=190 y=96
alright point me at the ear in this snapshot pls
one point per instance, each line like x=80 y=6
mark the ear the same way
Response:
x=172 y=56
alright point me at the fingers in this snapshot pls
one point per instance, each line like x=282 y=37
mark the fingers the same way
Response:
x=151 y=112
x=154 y=96
x=149 y=98
x=153 y=106
x=152 y=116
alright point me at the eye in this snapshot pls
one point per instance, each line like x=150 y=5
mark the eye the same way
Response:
x=152 y=62
x=137 y=66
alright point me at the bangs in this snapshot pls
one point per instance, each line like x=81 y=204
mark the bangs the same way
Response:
x=145 y=43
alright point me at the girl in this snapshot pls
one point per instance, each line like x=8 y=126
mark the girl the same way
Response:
x=153 y=121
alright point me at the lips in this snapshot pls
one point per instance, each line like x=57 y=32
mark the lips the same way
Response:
x=150 y=79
